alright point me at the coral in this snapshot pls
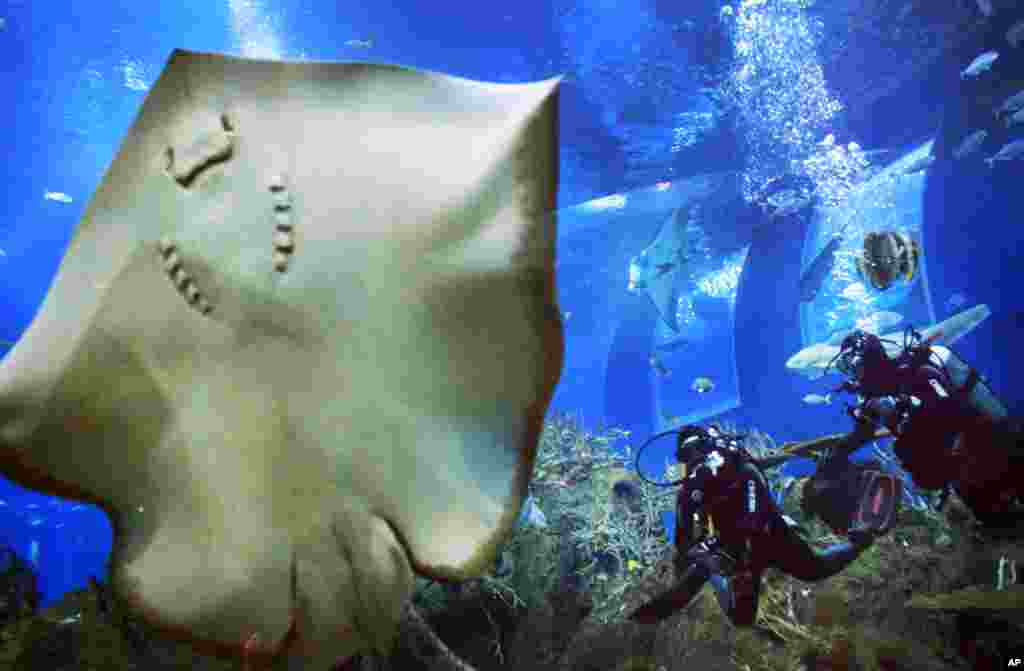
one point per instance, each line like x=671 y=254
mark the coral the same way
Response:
x=553 y=613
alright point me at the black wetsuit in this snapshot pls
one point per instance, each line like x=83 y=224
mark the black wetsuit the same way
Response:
x=751 y=533
x=942 y=441
x=931 y=416
x=911 y=399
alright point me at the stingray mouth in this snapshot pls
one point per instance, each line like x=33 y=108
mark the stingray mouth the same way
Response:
x=296 y=640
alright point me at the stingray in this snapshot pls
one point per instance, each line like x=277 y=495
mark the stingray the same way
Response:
x=813 y=361
x=662 y=269
x=300 y=347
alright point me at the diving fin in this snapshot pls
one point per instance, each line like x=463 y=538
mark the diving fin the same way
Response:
x=879 y=502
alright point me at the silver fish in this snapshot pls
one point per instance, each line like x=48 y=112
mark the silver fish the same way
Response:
x=1011 y=104
x=658 y=366
x=1009 y=152
x=675 y=345
x=1015 y=35
x=818 y=399
x=979 y=65
x=57 y=196
x=970 y=144
x=1015 y=119
x=985 y=6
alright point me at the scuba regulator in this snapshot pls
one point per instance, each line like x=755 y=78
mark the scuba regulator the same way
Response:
x=690 y=439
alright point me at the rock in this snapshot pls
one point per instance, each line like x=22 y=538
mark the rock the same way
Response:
x=1009 y=602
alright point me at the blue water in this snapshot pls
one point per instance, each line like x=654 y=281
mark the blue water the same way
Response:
x=641 y=107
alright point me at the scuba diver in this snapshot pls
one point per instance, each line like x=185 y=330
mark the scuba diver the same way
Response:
x=951 y=431
x=729 y=530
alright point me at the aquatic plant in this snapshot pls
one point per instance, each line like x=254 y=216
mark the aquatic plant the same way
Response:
x=568 y=451
x=613 y=539
x=575 y=470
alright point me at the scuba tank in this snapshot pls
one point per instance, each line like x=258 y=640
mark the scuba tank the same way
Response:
x=979 y=396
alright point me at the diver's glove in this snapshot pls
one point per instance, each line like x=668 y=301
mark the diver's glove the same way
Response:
x=710 y=555
x=708 y=546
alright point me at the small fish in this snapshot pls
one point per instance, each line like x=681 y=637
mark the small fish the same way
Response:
x=635 y=281
x=820 y=269
x=532 y=515
x=703 y=385
x=674 y=345
x=985 y=6
x=1009 y=152
x=818 y=399
x=970 y=144
x=567 y=315
x=1015 y=35
x=1012 y=104
x=979 y=65
x=1014 y=119
x=57 y=196
x=658 y=366
x=359 y=44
